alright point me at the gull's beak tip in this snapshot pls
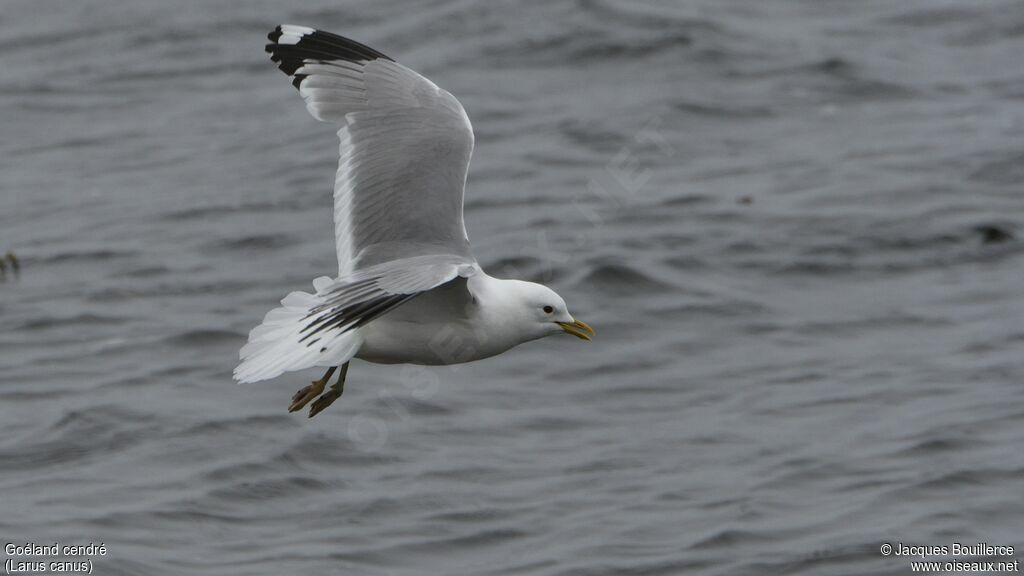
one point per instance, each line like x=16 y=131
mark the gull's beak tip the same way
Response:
x=579 y=329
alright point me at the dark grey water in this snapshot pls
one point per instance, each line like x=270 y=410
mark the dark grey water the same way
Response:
x=796 y=226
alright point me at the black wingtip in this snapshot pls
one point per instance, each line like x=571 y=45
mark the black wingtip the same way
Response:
x=320 y=45
x=307 y=44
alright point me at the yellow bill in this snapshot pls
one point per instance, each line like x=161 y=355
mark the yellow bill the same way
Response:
x=578 y=329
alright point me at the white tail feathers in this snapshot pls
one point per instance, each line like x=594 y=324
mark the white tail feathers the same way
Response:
x=274 y=346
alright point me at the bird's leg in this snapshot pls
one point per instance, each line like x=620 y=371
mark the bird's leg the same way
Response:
x=303 y=396
x=331 y=395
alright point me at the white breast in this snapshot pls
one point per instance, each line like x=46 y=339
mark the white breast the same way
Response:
x=446 y=325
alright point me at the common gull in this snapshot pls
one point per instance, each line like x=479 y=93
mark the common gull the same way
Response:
x=408 y=288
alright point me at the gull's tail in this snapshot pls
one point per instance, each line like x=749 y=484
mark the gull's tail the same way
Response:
x=278 y=345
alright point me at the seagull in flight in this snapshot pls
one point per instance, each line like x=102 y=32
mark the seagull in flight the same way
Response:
x=408 y=288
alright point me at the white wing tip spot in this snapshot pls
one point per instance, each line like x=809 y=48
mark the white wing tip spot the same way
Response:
x=291 y=35
x=293 y=30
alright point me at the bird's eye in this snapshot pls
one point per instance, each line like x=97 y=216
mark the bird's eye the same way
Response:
x=548 y=309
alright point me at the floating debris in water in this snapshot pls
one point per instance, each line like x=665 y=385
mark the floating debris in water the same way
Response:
x=745 y=200
x=993 y=234
x=9 y=261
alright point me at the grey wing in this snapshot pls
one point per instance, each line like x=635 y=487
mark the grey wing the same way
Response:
x=405 y=148
x=354 y=300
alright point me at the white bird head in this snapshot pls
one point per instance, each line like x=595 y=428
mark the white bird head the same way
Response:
x=537 y=311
